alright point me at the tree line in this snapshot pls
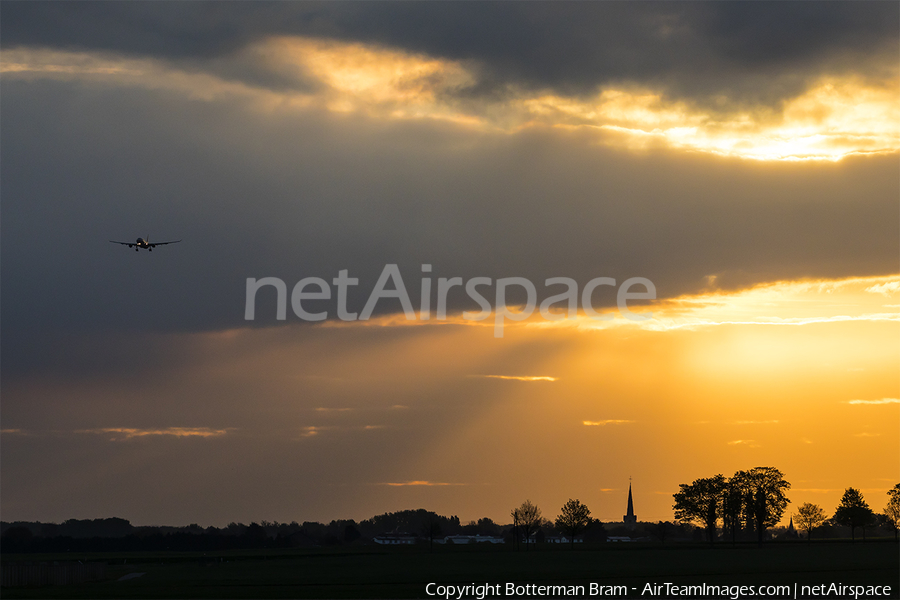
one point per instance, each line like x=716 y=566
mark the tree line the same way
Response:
x=750 y=502
x=747 y=504
x=119 y=535
x=574 y=519
x=115 y=534
x=852 y=512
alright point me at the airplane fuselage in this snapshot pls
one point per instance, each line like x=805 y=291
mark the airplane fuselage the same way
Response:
x=142 y=243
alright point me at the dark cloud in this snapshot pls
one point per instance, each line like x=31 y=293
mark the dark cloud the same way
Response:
x=310 y=193
x=748 y=51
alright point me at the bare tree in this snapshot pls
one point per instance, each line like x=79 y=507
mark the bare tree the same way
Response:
x=526 y=520
x=808 y=517
x=432 y=529
x=573 y=519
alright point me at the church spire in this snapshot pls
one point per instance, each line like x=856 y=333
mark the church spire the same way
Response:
x=630 y=519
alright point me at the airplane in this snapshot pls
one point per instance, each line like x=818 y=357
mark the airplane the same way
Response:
x=142 y=243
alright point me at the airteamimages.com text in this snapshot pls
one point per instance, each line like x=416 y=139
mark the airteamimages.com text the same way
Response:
x=655 y=590
x=316 y=288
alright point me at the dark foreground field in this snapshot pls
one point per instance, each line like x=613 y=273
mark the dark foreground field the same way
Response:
x=375 y=572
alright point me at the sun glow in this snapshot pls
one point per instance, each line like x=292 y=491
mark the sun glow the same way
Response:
x=773 y=304
x=832 y=119
x=361 y=77
x=730 y=380
x=783 y=303
x=519 y=378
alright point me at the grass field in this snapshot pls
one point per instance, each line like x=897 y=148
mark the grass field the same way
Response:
x=375 y=572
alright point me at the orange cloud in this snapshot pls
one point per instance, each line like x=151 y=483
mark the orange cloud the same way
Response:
x=833 y=118
x=419 y=483
x=882 y=401
x=519 y=378
x=129 y=432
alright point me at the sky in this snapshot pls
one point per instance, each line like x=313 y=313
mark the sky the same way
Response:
x=740 y=158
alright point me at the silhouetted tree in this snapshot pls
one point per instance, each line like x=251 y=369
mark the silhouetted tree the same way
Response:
x=595 y=531
x=18 y=533
x=235 y=528
x=574 y=518
x=808 y=517
x=432 y=530
x=700 y=502
x=734 y=513
x=16 y=539
x=766 y=487
x=254 y=536
x=409 y=521
x=892 y=510
x=486 y=526
x=351 y=533
x=661 y=530
x=853 y=512
x=526 y=520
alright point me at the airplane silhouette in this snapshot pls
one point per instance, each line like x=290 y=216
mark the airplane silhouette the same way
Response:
x=142 y=243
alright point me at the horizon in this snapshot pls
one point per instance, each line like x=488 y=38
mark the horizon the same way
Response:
x=363 y=195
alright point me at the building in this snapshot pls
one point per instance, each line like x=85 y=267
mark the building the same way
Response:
x=630 y=519
x=562 y=539
x=471 y=539
x=395 y=538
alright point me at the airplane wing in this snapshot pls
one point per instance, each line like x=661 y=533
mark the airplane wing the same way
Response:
x=129 y=244
x=154 y=244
